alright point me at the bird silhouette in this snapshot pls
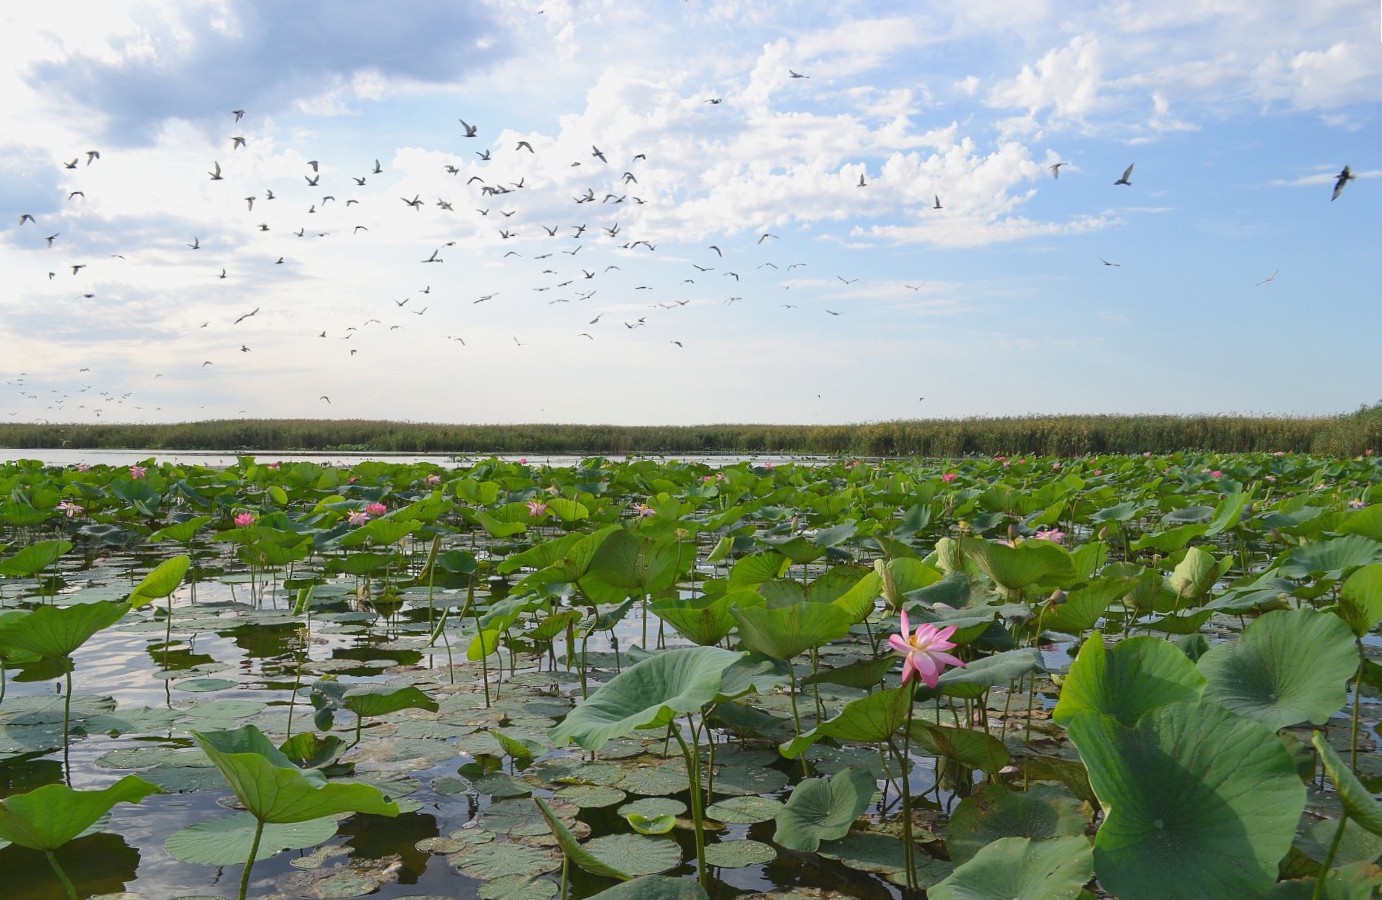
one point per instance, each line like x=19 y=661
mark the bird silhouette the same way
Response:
x=215 y=173
x=524 y=145
x=238 y=113
x=469 y=129
x=1107 y=263
x=1127 y=174
x=1344 y=178
x=1055 y=169
x=938 y=201
x=237 y=142
x=797 y=74
x=378 y=169
x=26 y=217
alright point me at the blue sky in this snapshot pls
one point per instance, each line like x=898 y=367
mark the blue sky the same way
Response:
x=1234 y=283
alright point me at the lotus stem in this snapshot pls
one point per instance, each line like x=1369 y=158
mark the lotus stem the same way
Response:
x=1357 y=707
x=908 y=850
x=693 y=771
x=62 y=876
x=66 y=718
x=1319 y=892
x=249 y=863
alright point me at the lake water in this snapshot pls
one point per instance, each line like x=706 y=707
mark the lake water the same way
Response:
x=219 y=459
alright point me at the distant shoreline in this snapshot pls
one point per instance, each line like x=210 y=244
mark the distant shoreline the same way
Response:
x=1074 y=435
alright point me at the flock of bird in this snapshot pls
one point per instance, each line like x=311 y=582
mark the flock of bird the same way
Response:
x=575 y=264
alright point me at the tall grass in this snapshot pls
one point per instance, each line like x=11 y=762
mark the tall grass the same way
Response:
x=1045 y=435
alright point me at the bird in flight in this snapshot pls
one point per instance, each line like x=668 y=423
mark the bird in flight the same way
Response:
x=522 y=145
x=797 y=74
x=246 y=316
x=196 y=243
x=236 y=143
x=846 y=281
x=1107 y=263
x=377 y=168
x=215 y=173
x=238 y=113
x=938 y=201
x=469 y=129
x=1344 y=178
x=326 y=398
x=1055 y=169
x=1127 y=174
x=1271 y=277
x=862 y=182
x=26 y=217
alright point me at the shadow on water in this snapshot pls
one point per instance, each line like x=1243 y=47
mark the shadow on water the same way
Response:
x=97 y=864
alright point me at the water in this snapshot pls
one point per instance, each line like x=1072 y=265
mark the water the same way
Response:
x=217 y=459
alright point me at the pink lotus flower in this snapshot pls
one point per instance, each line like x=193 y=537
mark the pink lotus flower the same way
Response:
x=523 y=460
x=138 y=471
x=643 y=510
x=924 y=652
x=1098 y=472
x=1369 y=452
x=949 y=477
x=275 y=466
x=1355 y=503
x=434 y=479
x=244 y=520
x=376 y=509
x=1055 y=535
x=1055 y=465
x=83 y=467
x=536 y=508
x=1146 y=454
x=1216 y=474
x=69 y=508
x=358 y=517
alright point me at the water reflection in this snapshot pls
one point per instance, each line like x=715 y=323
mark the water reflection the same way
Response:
x=97 y=864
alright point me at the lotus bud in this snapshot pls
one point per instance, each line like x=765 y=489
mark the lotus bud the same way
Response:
x=1057 y=597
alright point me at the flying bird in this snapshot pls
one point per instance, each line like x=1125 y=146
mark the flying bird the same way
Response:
x=1344 y=178
x=1107 y=263
x=1127 y=174
x=524 y=145
x=246 y=316
x=1055 y=169
x=26 y=217
x=52 y=237
x=326 y=398
x=938 y=201
x=92 y=154
x=1271 y=277
x=797 y=74
x=469 y=129
x=237 y=142
x=377 y=168
x=238 y=113
x=215 y=173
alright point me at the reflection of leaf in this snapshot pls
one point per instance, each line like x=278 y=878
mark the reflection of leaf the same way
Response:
x=50 y=816
x=1199 y=802
x=822 y=809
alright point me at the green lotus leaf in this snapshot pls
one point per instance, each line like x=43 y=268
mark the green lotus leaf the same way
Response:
x=161 y=582
x=226 y=840
x=1360 y=599
x=1199 y=802
x=871 y=719
x=1042 y=813
x=1135 y=675
x=655 y=825
x=635 y=854
x=648 y=694
x=974 y=749
x=181 y=532
x=379 y=700
x=738 y=854
x=705 y=620
x=789 y=631
x=1170 y=540
x=1358 y=801
x=50 y=816
x=34 y=558
x=1195 y=574
x=974 y=679
x=744 y=810
x=862 y=673
x=1020 y=867
x=1289 y=666
x=630 y=563
x=56 y=631
x=823 y=809
x=1333 y=558
x=270 y=787
x=1015 y=568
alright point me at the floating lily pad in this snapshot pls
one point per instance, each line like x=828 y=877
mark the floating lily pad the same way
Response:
x=226 y=840
x=517 y=887
x=522 y=818
x=501 y=784
x=654 y=887
x=744 y=810
x=591 y=796
x=738 y=854
x=656 y=779
x=204 y=685
x=635 y=854
x=867 y=851
x=570 y=770
x=749 y=782
x=500 y=858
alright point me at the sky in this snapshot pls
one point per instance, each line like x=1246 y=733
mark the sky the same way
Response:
x=687 y=211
